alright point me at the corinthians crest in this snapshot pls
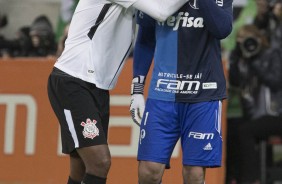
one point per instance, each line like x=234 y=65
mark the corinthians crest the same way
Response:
x=90 y=129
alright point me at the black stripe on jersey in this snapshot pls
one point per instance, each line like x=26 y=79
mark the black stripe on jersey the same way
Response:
x=124 y=57
x=100 y=18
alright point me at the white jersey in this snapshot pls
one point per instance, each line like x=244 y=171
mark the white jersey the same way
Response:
x=101 y=34
x=99 y=40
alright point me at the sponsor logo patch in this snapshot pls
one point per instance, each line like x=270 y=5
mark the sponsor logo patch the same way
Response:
x=198 y=135
x=184 y=20
x=210 y=85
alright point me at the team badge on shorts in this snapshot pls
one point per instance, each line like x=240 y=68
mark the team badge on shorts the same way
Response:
x=90 y=129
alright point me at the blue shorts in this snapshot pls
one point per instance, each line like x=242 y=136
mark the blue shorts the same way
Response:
x=197 y=124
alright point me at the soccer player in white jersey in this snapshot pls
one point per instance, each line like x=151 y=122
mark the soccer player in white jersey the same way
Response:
x=99 y=40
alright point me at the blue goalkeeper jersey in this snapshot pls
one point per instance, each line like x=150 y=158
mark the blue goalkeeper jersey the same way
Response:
x=187 y=52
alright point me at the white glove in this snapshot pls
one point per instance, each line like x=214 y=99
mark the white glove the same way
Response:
x=137 y=104
x=137 y=107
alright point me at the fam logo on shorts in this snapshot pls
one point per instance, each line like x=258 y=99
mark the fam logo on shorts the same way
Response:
x=90 y=129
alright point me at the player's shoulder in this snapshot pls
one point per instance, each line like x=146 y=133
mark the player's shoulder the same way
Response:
x=83 y=4
x=144 y=19
x=224 y=2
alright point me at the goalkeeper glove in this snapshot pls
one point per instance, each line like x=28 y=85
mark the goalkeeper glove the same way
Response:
x=137 y=104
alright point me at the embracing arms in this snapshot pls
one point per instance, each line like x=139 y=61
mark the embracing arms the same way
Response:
x=158 y=9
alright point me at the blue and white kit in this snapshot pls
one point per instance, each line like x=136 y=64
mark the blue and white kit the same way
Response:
x=187 y=84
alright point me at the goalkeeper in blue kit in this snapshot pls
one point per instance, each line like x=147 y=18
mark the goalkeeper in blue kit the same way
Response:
x=186 y=89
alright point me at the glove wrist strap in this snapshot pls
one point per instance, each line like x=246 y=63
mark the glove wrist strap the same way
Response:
x=137 y=86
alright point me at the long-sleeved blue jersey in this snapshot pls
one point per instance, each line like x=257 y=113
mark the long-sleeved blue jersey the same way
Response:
x=186 y=50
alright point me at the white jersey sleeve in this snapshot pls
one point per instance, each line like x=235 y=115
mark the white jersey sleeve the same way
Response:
x=123 y=3
x=158 y=9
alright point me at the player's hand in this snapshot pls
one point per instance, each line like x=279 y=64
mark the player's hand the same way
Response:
x=137 y=107
x=137 y=104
